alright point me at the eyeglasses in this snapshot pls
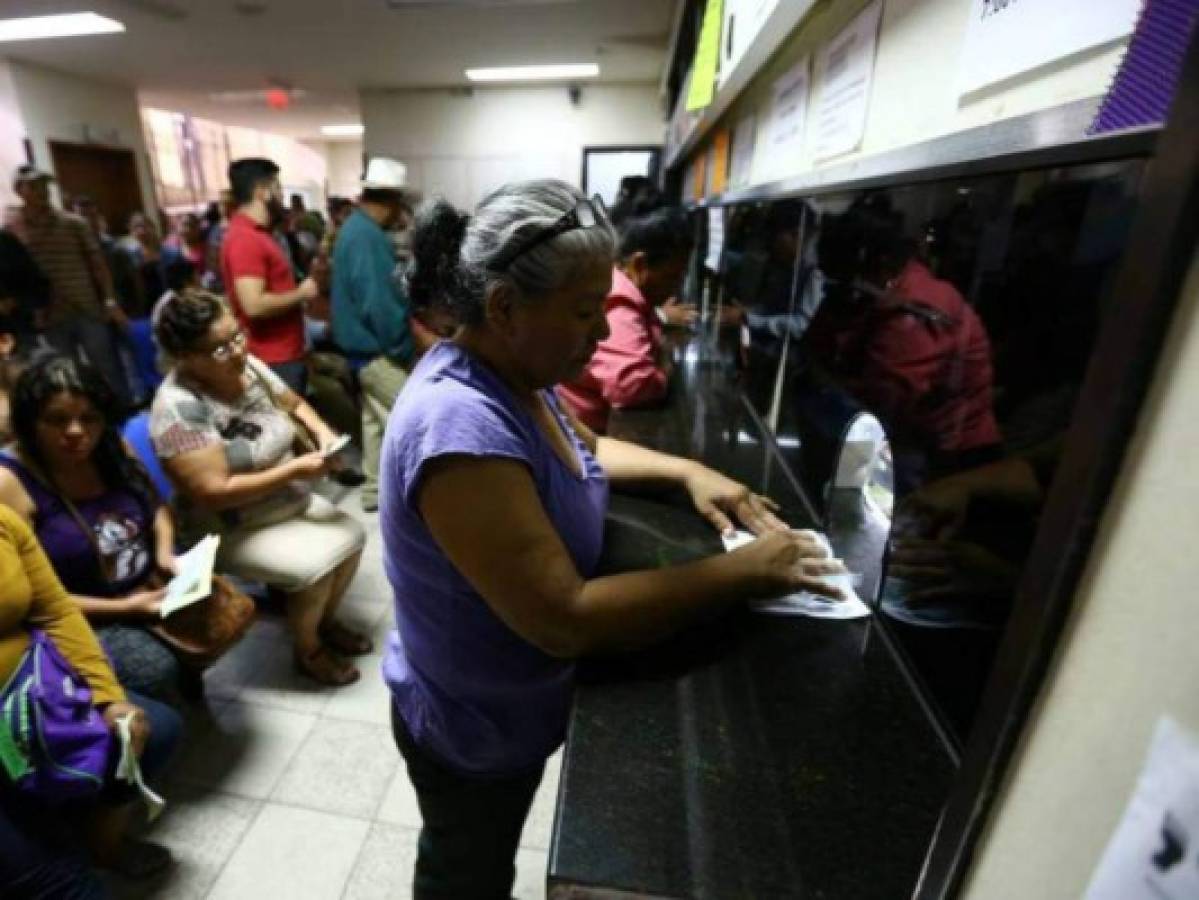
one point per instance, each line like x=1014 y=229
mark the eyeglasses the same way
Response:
x=223 y=352
x=586 y=214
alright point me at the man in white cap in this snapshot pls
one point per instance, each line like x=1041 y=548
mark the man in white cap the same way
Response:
x=83 y=308
x=370 y=309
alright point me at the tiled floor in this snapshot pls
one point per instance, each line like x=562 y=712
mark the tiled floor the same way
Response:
x=284 y=789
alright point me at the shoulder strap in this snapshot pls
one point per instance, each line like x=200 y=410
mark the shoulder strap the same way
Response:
x=303 y=435
x=71 y=509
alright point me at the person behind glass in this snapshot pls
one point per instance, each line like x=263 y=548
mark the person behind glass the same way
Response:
x=267 y=302
x=83 y=314
x=904 y=344
x=222 y=424
x=630 y=367
x=492 y=511
x=70 y=469
x=33 y=859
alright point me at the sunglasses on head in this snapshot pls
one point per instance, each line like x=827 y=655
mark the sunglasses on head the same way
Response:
x=586 y=213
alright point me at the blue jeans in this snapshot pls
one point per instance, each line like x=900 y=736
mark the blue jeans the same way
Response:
x=37 y=857
x=166 y=727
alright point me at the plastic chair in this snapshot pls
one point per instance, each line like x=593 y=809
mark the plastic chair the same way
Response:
x=145 y=353
x=137 y=433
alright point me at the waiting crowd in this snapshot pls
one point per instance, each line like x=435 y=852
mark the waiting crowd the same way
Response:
x=163 y=387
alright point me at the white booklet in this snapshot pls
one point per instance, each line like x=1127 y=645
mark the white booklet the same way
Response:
x=805 y=603
x=194 y=581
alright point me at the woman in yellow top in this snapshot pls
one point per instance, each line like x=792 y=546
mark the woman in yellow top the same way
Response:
x=31 y=596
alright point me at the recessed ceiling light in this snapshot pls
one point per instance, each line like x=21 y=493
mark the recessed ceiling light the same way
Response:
x=36 y=28
x=343 y=130
x=534 y=73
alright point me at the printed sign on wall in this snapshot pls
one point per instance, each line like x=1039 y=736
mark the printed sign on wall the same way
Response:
x=844 y=73
x=1005 y=38
x=788 y=119
x=1154 y=851
x=744 y=137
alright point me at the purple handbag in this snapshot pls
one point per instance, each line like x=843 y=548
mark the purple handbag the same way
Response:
x=54 y=744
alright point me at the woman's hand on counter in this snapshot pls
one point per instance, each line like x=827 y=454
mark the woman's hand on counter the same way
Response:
x=723 y=502
x=782 y=562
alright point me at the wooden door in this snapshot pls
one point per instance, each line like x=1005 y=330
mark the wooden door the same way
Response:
x=106 y=174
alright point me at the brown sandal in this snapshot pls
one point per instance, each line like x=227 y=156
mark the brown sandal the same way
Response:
x=325 y=666
x=345 y=640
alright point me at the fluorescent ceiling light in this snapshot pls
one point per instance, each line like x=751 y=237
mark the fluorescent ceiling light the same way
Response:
x=67 y=25
x=343 y=130
x=534 y=73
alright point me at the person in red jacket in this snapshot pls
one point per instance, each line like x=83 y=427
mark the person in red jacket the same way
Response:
x=903 y=343
x=629 y=367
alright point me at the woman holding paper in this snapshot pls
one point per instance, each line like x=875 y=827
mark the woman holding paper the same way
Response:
x=33 y=862
x=492 y=515
x=96 y=513
x=225 y=427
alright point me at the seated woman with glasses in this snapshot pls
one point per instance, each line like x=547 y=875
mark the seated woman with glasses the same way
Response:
x=95 y=511
x=492 y=510
x=224 y=426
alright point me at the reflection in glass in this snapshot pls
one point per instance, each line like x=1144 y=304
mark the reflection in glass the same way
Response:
x=958 y=318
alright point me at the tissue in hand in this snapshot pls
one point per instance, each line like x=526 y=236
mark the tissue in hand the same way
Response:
x=805 y=603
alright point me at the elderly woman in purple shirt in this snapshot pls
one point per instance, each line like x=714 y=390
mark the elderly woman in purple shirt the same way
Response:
x=493 y=499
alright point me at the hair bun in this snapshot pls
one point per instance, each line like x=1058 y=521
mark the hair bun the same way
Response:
x=437 y=238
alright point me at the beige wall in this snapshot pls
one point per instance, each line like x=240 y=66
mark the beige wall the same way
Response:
x=56 y=106
x=461 y=146
x=345 y=167
x=12 y=131
x=914 y=96
x=1129 y=654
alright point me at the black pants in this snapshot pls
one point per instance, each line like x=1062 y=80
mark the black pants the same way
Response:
x=472 y=826
x=294 y=375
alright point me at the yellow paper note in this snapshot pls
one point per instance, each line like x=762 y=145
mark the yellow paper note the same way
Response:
x=707 y=55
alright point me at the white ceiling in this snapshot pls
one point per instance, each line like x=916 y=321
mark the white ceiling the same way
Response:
x=178 y=53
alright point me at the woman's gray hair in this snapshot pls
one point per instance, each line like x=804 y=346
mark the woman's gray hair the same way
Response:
x=452 y=253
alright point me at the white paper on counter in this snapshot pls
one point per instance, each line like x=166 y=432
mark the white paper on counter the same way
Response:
x=845 y=73
x=788 y=119
x=805 y=603
x=1154 y=852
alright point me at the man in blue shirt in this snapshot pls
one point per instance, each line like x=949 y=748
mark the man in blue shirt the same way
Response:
x=370 y=308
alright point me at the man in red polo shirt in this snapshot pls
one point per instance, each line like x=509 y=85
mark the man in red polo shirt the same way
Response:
x=258 y=277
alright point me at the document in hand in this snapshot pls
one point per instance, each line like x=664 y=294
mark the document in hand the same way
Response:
x=194 y=581
x=805 y=603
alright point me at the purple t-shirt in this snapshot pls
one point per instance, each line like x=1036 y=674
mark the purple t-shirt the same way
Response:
x=473 y=692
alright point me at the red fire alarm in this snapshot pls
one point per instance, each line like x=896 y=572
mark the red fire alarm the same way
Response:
x=278 y=98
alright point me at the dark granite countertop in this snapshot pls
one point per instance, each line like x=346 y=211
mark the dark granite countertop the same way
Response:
x=753 y=756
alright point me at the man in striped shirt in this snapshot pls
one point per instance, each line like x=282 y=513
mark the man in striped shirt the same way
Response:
x=83 y=308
